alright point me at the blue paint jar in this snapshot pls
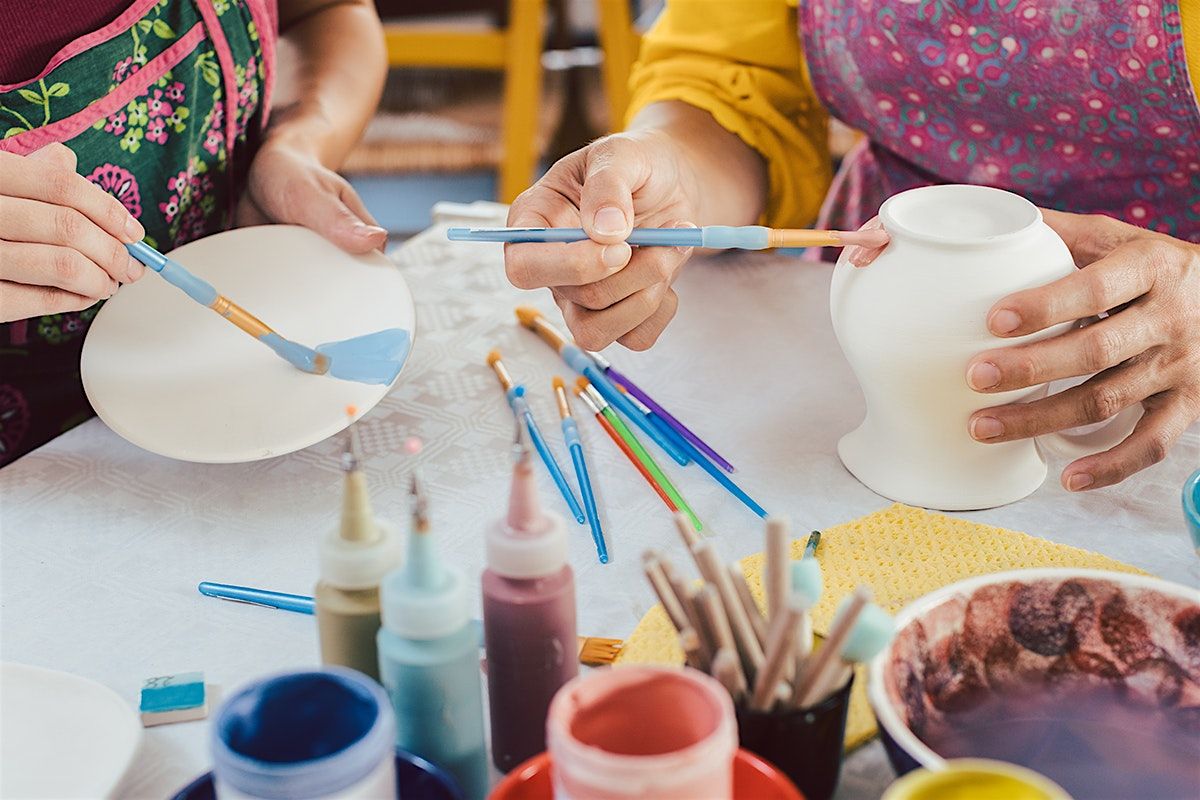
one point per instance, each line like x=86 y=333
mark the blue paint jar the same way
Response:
x=300 y=735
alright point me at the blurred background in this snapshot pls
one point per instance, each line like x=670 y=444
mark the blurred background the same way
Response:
x=483 y=95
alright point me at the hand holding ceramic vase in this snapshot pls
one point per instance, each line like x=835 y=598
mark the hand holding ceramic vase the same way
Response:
x=910 y=323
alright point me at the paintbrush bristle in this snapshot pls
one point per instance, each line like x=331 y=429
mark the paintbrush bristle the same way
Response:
x=558 y=383
x=582 y=383
x=493 y=357
x=527 y=315
x=595 y=651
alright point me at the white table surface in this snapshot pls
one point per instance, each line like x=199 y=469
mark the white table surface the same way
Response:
x=103 y=544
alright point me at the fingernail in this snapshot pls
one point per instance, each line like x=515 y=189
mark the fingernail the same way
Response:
x=1004 y=321
x=983 y=375
x=1080 y=481
x=362 y=229
x=609 y=220
x=855 y=255
x=986 y=428
x=615 y=256
x=134 y=231
x=136 y=270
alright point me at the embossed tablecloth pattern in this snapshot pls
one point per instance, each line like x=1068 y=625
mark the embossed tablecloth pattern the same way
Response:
x=103 y=544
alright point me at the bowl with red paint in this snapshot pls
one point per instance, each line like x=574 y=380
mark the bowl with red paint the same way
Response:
x=1091 y=678
x=752 y=777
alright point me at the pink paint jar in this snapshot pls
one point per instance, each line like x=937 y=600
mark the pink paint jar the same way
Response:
x=642 y=732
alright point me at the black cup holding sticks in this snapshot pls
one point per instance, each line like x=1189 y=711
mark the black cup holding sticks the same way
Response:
x=806 y=744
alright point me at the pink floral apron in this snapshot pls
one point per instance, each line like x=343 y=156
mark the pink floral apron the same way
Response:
x=1079 y=106
x=163 y=108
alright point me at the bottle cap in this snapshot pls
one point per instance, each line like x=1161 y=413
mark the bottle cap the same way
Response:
x=439 y=608
x=530 y=542
x=357 y=564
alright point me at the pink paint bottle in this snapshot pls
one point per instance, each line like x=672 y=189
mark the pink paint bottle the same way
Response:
x=638 y=732
x=528 y=620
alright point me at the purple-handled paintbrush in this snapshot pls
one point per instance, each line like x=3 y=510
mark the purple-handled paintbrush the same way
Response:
x=618 y=377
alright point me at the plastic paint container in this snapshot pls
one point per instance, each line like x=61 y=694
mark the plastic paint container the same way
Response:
x=642 y=732
x=975 y=779
x=300 y=735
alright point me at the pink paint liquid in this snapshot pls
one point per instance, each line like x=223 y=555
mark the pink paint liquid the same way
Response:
x=1094 y=741
x=642 y=732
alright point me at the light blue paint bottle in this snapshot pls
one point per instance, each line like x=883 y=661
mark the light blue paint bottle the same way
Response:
x=429 y=660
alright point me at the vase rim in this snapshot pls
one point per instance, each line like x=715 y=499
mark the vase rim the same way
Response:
x=964 y=215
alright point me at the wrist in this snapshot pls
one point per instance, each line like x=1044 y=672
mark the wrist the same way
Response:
x=307 y=136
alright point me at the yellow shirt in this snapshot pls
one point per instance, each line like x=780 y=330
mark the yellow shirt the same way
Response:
x=742 y=62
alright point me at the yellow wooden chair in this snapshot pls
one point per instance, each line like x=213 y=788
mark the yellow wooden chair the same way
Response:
x=515 y=50
x=619 y=41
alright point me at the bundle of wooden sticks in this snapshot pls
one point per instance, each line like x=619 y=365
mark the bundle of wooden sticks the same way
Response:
x=766 y=662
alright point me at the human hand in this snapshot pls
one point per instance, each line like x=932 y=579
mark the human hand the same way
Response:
x=62 y=238
x=606 y=290
x=289 y=185
x=1147 y=350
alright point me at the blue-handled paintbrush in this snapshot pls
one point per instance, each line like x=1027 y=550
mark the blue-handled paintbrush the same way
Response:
x=374 y=358
x=719 y=237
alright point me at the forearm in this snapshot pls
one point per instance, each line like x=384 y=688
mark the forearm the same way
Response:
x=339 y=74
x=728 y=178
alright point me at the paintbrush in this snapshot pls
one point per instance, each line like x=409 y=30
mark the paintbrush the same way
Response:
x=515 y=394
x=625 y=448
x=717 y=237
x=374 y=358
x=571 y=437
x=585 y=389
x=818 y=670
x=582 y=363
x=668 y=419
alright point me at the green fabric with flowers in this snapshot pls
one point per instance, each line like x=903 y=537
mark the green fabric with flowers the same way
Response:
x=163 y=155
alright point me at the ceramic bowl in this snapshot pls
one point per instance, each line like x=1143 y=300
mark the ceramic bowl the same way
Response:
x=1191 y=507
x=752 y=777
x=995 y=633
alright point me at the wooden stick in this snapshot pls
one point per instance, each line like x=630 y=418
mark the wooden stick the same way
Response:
x=686 y=531
x=689 y=640
x=779 y=654
x=652 y=566
x=709 y=601
x=827 y=659
x=757 y=621
x=802 y=648
x=708 y=639
x=727 y=668
x=776 y=577
x=751 y=650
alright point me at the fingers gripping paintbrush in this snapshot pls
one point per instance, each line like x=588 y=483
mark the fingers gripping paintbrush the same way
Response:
x=374 y=358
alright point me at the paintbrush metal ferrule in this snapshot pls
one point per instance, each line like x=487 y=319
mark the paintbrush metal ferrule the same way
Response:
x=494 y=361
x=587 y=400
x=601 y=362
x=560 y=396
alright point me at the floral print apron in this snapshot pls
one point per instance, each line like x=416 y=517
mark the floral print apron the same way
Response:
x=163 y=108
x=1079 y=106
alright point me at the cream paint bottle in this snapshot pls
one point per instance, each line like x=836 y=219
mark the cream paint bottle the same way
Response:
x=354 y=558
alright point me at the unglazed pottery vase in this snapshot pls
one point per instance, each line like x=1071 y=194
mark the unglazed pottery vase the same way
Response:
x=911 y=322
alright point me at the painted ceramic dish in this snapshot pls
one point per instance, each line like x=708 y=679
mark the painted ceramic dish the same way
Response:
x=174 y=378
x=1090 y=678
x=62 y=735
x=415 y=777
x=752 y=777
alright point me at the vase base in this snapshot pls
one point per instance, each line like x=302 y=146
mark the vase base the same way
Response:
x=938 y=487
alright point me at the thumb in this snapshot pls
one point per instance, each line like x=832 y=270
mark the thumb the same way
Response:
x=56 y=154
x=338 y=215
x=615 y=170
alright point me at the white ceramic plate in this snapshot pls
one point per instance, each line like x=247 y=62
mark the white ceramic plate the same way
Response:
x=61 y=735
x=176 y=379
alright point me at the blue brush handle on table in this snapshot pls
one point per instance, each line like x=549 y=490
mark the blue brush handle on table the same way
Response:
x=575 y=446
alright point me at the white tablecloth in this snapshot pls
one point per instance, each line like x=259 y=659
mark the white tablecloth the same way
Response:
x=103 y=544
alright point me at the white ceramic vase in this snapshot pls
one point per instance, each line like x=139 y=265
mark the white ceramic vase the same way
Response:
x=910 y=323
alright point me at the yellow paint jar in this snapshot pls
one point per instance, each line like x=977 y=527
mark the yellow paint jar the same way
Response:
x=975 y=779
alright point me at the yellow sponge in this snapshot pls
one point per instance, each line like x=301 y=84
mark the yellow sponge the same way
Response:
x=901 y=553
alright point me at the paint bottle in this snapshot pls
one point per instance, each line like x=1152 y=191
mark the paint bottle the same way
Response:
x=429 y=660
x=638 y=732
x=528 y=619
x=299 y=735
x=353 y=560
